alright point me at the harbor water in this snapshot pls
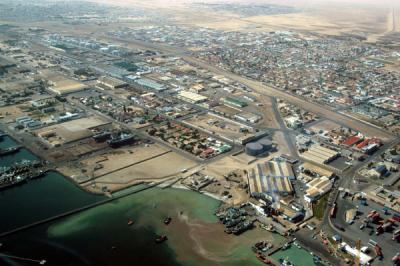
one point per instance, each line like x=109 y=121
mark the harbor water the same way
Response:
x=296 y=255
x=101 y=235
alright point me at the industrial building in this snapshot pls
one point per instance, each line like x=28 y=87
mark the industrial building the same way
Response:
x=364 y=258
x=191 y=97
x=271 y=180
x=317 y=188
x=61 y=85
x=234 y=102
x=248 y=117
x=112 y=83
x=150 y=84
x=253 y=137
x=319 y=154
x=315 y=169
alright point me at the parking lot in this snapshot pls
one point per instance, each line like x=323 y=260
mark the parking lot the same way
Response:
x=352 y=232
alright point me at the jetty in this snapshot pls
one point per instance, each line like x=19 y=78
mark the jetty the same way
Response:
x=121 y=194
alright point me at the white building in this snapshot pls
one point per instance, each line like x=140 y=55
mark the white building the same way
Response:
x=317 y=188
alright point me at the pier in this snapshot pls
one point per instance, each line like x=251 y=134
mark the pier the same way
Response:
x=40 y=262
x=78 y=210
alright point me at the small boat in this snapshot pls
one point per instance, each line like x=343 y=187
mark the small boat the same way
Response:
x=161 y=239
x=263 y=259
x=130 y=222
x=167 y=220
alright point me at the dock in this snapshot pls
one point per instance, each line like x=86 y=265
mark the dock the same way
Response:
x=78 y=210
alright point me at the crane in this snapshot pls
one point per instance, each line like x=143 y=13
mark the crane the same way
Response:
x=358 y=246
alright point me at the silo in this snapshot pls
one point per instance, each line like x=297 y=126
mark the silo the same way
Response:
x=254 y=148
x=266 y=143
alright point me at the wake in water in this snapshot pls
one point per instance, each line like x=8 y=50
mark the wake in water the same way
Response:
x=198 y=229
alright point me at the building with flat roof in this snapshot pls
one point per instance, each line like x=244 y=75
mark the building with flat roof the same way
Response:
x=234 y=102
x=316 y=169
x=150 y=84
x=112 y=83
x=271 y=180
x=320 y=155
x=62 y=85
x=191 y=97
x=317 y=188
x=248 y=117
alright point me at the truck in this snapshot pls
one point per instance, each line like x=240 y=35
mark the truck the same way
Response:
x=338 y=226
x=396 y=235
x=386 y=210
x=333 y=210
x=363 y=202
x=387 y=226
x=375 y=218
x=378 y=251
x=379 y=230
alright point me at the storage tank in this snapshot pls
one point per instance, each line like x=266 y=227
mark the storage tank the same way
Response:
x=266 y=143
x=254 y=148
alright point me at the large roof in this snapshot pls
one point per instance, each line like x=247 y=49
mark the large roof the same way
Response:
x=272 y=177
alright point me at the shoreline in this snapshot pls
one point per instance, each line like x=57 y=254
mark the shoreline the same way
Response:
x=208 y=194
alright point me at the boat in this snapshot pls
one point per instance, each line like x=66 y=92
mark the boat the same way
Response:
x=101 y=137
x=161 y=239
x=297 y=244
x=264 y=259
x=122 y=139
x=269 y=228
x=286 y=246
x=167 y=220
x=36 y=174
x=10 y=180
x=130 y=222
x=285 y=262
x=9 y=151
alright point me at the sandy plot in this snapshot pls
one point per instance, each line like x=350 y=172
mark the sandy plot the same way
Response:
x=121 y=158
x=72 y=130
x=158 y=168
x=267 y=112
x=282 y=146
x=325 y=125
x=11 y=112
x=217 y=125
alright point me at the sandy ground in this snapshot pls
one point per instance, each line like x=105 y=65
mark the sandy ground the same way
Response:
x=120 y=158
x=324 y=125
x=72 y=130
x=231 y=130
x=160 y=168
x=269 y=118
x=283 y=148
x=10 y=113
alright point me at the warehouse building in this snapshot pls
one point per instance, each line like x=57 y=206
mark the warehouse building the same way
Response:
x=317 y=188
x=191 y=97
x=315 y=169
x=112 y=83
x=251 y=137
x=271 y=180
x=248 y=117
x=61 y=85
x=319 y=154
x=234 y=102
x=150 y=84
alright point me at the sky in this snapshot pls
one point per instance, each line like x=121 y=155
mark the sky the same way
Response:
x=166 y=3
